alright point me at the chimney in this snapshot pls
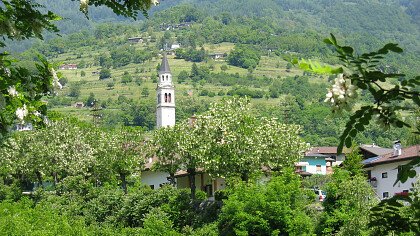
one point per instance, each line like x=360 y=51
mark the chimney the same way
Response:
x=397 y=148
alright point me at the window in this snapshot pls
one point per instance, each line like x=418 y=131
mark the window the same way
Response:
x=163 y=78
x=384 y=175
x=166 y=97
x=152 y=186
x=385 y=195
x=318 y=168
x=405 y=191
x=167 y=77
x=169 y=97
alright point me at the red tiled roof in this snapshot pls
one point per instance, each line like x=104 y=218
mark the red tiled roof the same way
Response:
x=322 y=150
x=407 y=153
x=325 y=150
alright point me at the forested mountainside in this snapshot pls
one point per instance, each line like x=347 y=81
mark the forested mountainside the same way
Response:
x=365 y=23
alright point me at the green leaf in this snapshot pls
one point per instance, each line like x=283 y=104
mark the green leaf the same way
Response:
x=348 y=142
x=353 y=133
x=348 y=50
x=333 y=39
x=360 y=127
x=328 y=41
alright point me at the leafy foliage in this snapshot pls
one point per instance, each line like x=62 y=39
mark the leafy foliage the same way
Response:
x=239 y=144
x=276 y=208
x=244 y=56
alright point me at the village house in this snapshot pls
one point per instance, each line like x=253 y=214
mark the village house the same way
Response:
x=79 y=105
x=217 y=55
x=372 y=150
x=175 y=46
x=154 y=179
x=319 y=160
x=135 y=40
x=68 y=67
x=203 y=182
x=382 y=171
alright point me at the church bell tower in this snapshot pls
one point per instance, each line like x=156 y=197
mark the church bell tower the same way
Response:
x=165 y=113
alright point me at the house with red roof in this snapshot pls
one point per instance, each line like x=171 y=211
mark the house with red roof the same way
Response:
x=382 y=170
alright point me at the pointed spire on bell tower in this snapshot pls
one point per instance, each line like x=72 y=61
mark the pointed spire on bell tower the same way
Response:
x=164 y=66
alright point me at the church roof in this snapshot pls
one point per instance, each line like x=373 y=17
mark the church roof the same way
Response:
x=164 y=66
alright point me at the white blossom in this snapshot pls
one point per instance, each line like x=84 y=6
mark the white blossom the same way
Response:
x=155 y=2
x=341 y=94
x=56 y=81
x=37 y=113
x=21 y=113
x=12 y=91
x=84 y=5
x=7 y=71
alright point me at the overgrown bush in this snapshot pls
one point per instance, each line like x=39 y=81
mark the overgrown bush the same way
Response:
x=277 y=208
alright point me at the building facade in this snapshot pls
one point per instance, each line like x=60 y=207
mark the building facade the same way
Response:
x=382 y=171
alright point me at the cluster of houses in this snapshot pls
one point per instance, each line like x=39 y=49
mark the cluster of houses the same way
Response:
x=381 y=164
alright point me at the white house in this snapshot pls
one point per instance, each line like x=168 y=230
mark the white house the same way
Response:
x=152 y=178
x=175 y=46
x=382 y=171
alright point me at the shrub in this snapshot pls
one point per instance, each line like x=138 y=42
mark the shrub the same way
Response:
x=276 y=208
x=157 y=222
x=104 y=74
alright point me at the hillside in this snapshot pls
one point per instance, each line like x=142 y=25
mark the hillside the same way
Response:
x=268 y=31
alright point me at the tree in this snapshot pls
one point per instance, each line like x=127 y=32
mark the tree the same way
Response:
x=180 y=147
x=60 y=150
x=104 y=74
x=74 y=90
x=90 y=102
x=82 y=73
x=191 y=146
x=349 y=200
x=23 y=19
x=183 y=76
x=110 y=84
x=157 y=222
x=239 y=145
x=63 y=81
x=126 y=78
x=244 y=56
x=119 y=152
x=165 y=146
x=274 y=208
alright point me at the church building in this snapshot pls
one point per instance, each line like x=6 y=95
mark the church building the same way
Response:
x=165 y=116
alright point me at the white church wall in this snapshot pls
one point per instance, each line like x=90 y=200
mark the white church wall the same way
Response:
x=154 y=178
